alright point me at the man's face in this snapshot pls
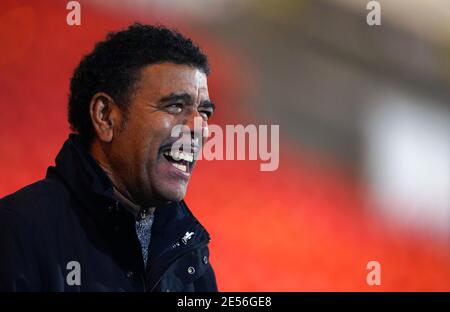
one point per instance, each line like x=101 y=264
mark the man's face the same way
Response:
x=166 y=95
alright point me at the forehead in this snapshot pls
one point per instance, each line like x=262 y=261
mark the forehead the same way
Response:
x=167 y=78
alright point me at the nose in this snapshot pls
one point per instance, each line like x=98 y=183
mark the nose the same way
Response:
x=196 y=124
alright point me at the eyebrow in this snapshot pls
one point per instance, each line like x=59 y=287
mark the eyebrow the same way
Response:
x=176 y=97
x=186 y=98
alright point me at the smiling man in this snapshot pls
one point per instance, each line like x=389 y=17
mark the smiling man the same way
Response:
x=110 y=215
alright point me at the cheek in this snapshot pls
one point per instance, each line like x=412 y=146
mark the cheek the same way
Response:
x=156 y=132
x=166 y=125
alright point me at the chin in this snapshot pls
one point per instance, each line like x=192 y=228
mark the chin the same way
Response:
x=174 y=195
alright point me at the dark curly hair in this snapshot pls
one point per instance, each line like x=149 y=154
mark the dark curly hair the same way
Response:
x=114 y=66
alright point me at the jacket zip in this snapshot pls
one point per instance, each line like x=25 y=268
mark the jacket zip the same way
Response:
x=175 y=251
x=173 y=259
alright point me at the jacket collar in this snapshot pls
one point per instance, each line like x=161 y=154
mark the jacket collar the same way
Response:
x=80 y=170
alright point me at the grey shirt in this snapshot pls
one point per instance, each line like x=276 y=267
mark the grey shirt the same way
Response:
x=144 y=220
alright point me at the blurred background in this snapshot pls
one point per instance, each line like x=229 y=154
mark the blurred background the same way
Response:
x=364 y=115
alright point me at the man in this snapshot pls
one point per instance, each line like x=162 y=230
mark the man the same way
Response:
x=110 y=215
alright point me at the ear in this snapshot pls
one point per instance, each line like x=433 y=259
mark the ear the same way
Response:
x=105 y=114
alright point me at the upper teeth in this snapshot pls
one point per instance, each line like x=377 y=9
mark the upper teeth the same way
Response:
x=177 y=155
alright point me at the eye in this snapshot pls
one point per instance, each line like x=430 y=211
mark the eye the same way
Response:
x=175 y=108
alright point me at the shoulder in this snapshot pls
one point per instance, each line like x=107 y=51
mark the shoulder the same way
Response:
x=27 y=219
x=30 y=217
x=33 y=201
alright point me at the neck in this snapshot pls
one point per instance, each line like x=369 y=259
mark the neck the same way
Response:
x=100 y=157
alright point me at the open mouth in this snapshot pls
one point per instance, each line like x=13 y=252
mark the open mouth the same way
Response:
x=181 y=160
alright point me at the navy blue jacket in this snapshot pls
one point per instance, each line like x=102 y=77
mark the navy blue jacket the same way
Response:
x=68 y=232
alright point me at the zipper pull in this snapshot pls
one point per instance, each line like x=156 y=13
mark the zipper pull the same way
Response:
x=185 y=239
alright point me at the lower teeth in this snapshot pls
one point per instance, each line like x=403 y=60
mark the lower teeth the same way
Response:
x=180 y=167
